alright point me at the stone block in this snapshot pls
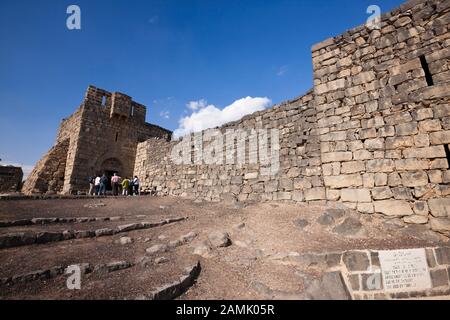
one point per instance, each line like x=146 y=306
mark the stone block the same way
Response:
x=414 y=179
x=421 y=208
x=286 y=184
x=302 y=183
x=441 y=111
x=404 y=68
x=380 y=179
x=283 y=195
x=435 y=176
x=368 y=133
x=439 y=207
x=442 y=255
x=365 y=207
x=343 y=181
x=431 y=260
x=421 y=140
x=374 y=144
x=315 y=194
x=439 y=164
x=402 y=193
x=406 y=129
x=440 y=224
x=329 y=121
x=251 y=175
x=441 y=137
x=394 y=179
x=368 y=180
x=330 y=287
x=425 y=153
x=399 y=142
x=393 y=207
x=293 y=172
x=439 y=277
x=430 y=125
x=355 y=195
x=386 y=131
x=381 y=193
x=422 y=114
x=298 y=195
x=380 y=165
x=271 y=186
x=353 y=279
x=362 y=155
x=333 y=195
x=415 y=219
x=356 y=261
x=334 y=136
x=400 y=117
x=352 y=167
x=336 y=156
x=411 y=164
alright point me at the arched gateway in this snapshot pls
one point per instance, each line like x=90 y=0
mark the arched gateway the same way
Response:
x=109 y=167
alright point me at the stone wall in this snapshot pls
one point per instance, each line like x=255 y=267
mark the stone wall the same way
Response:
x=298 y=177
x=10 y=178
x=382 y=101
x=101 y=136
x=360 y=267
x=48 y=174
x=373 y=134
x=375 y=274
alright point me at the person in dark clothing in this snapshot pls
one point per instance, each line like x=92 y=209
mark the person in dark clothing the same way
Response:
x=130 y=187
x=137 y=191
x=103 y=183
x=91 y=180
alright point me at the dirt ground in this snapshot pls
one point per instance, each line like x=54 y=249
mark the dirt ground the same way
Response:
x=258 y=232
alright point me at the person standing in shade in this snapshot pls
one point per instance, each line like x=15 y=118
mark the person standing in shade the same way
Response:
x=103 y=182
x=130 y=187
x=115 y=180
x=137 y=191
x=125 y=186
x=91 y=185
x=97 y=185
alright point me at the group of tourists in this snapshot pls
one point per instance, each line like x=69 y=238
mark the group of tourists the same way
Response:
x=125 y=186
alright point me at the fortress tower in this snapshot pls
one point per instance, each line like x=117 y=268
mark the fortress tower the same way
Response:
x=100 y=137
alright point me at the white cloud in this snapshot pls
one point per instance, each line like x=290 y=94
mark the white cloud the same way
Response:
x=164 y=114
x=209 y=116
x=282 y=70
x=25 y=167
x=195 y=105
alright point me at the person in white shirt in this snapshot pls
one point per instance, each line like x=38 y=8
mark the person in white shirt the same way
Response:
x=97 y=185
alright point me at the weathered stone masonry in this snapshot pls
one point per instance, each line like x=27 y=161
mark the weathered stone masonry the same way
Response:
x=299 y=174
x=101 y=136
x=10 y=178
x=383 y=125
x=373 y=134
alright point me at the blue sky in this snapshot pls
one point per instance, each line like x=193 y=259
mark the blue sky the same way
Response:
x=163 y=53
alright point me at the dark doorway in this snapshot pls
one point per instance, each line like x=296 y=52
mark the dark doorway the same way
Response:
x=109 y=174
x=109 y=167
